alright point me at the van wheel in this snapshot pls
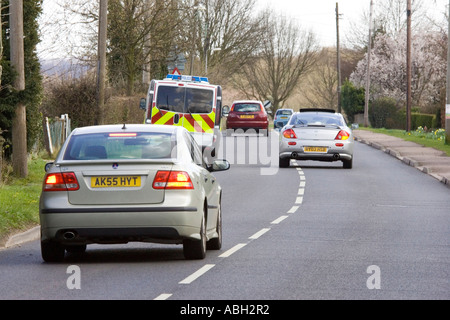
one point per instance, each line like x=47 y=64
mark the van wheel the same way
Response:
x=196 y=249
x=52 y=251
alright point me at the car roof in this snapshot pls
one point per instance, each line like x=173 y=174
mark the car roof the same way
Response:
x=127 y=128
x=247 y=101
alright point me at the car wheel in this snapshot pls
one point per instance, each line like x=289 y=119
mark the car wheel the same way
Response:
x=284 y=162
x=347 y=164
x=52 y=251
x=229 y=132
x=216 y=243
x=196 y=249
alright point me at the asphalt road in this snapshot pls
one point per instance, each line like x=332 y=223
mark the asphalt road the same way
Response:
x=312 y=231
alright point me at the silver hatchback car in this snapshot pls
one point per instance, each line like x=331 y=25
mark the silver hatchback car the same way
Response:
x=122 y=183
x=316 y=134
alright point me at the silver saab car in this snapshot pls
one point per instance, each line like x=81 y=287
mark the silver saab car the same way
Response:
x=316 y=134
x=122 y=183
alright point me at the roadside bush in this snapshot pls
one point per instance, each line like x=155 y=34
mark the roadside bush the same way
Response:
x=353 y=100
x=384 y=113
x=423 y=120
x=76 y=97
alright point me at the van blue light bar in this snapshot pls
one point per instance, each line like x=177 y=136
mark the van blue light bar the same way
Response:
x=187 y=78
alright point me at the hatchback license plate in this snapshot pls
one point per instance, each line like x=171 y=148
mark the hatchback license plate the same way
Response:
x=316 y=149
x=116 y=182
x=247 y=117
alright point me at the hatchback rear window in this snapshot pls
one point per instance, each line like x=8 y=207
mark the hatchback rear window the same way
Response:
x=317 y=119
x=284 y=112
x=119 y=146
x=247 y=107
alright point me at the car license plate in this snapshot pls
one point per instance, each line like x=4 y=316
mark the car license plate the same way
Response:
x=116 y=182
x=247 y=117
x=283 y=117
x=316 y=149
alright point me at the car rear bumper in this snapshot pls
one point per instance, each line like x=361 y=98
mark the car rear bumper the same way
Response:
x=328 y=157
x=247 y=124
x=333 y=153
x=120 y=225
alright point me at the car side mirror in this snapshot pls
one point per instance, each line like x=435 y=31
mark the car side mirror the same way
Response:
x=219 y=165
x=143 y=103
x=279 y=124
x=225 y=111
x=48 y=165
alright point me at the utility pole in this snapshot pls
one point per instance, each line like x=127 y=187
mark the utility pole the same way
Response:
x=447 y=106
x=101 y=73
x=338 y=59
x=19 y=125
x=369 y=49
x=408 y=66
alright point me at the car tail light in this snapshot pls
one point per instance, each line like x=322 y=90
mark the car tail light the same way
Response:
x=66 y=181
x=342 y=135
x=172 y=180
x=289 y=134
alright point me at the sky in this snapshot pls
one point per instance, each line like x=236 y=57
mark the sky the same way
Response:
x=320 y=15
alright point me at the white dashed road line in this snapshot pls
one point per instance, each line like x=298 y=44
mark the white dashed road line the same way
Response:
x=293 y=209
x=229 y=252
x=197 y=274
x=259 y=233
x=163 y=296
x=280 y=219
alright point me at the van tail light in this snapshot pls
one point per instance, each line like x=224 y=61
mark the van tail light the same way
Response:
x=66 y=181
x=172 y=180
x=289 y=134
x=342 y=135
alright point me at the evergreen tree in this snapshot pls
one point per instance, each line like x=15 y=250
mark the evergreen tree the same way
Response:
x=32 y=95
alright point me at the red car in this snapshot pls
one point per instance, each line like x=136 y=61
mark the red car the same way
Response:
x=247 y=114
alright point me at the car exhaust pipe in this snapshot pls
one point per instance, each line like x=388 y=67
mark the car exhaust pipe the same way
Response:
x=336 y=156
x=69 y=235
x=294 y=155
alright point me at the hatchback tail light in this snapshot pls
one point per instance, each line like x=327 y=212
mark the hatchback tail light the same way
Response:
x=172 y=180
x=66 y=181
x=342 y=135
x=289 y=134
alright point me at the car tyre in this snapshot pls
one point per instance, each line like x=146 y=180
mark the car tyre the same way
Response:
x=216 y=243
x=347 y=164
x=196 y=249
x=52 y=251
x=284 y=162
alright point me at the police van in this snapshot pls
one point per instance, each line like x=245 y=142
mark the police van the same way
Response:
x=187 y=101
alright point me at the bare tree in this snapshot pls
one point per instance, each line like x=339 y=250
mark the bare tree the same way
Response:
x=287 y=54
x=389 y=18
x=228 y=25
x=321 y=88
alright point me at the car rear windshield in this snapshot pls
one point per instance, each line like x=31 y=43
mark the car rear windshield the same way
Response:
x=119 y=146
x=284 y=112
x=247 y=107
x=185 y=99
x=317 y=119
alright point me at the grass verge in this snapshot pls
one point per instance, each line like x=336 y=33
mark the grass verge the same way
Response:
x=19 y=199
x=417 y=136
